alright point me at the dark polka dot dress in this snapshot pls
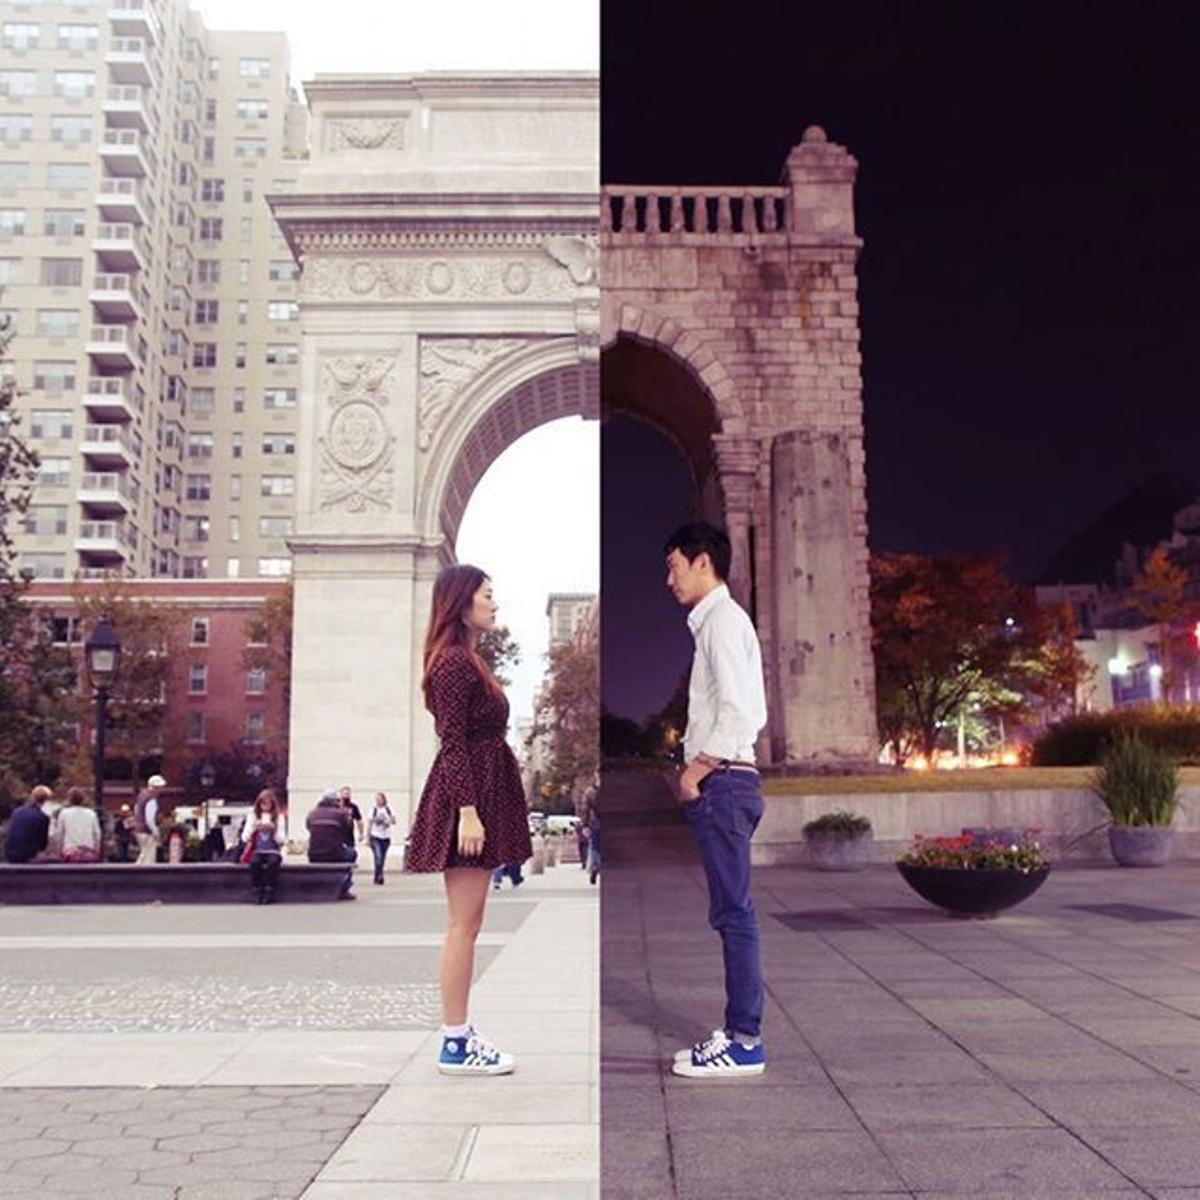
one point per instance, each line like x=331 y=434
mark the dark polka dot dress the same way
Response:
x=474 y=765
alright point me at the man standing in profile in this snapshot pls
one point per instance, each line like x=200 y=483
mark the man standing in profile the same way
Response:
x=719 y=789
x=145 y=821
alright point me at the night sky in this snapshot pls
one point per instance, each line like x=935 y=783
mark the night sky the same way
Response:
x=1028 y=194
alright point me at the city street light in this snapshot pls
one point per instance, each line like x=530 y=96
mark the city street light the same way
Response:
x=208 y=776
x=102 y=656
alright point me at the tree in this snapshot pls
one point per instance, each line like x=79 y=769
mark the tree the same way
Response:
x=269 y=638
x=1160 y=595
x=497 y=649
x=141 y=729
x=568 y=710
x=956 y=635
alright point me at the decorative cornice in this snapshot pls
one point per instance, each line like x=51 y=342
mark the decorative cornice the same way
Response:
x=353 y=237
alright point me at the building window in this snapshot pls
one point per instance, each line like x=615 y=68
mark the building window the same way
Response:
x=197 y=674
x=54 y=472
x=195 y=529
x=247 y=229
x=233 y=568
x=247 y=191
x=274 y=527
x=204 y=354
x=212 y=190
x=66 y=631
x=283 y=310
x=279 y=443
x=57 y=322
x=54 y=377
x=254 y=68
x=51 y=423
x=61 y=272
x=243 y=270
x=16 y=127
x=235 y=487
x=281 y=354
x=78 y=37
x=239 y=354
x=12 y=222
x=256 y=681
x=283 y=271
x=243 y=311
x=195 y=725
x=252 y=110
x=211 y=229
x=198 y=487
x=13 y=175
x=207 y=312
x=214 y=69
x=250 y=149
x=278 y=485
x=45 y=566
x=274 y=567
x=203 y=403
x=200 y=445
x=235 y=529
x=12 y=270
x=69 y=177
x=71 y=130
x=279 y=398
x=195 y=566
x=239 y=400
x=64 y=222
x=18 y=84
x=20 y=35
x=255 y=727
x=208 y=270
x=45 y=519
x=199 y=631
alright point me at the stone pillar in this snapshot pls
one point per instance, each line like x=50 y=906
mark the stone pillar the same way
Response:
x=737 y=464
x=822 y=646
x=821 y=176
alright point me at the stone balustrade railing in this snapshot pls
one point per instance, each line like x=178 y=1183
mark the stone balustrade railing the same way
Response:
x=694 y=212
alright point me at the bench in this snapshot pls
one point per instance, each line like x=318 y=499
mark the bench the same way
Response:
x=170 y=883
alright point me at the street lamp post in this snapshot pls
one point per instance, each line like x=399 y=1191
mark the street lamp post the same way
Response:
x=102 y=654
x=208 y=776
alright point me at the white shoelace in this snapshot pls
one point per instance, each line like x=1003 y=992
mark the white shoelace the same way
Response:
x=480 y=1046
x=714 y=1047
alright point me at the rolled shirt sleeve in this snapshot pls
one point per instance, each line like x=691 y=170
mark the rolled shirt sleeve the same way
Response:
x=452 y=687
x=735 y=663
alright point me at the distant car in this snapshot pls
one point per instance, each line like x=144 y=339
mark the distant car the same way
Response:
x=537 y=822
x=561 y=824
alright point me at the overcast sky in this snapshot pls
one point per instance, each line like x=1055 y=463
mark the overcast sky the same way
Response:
x=519 y=525
x=410 y=37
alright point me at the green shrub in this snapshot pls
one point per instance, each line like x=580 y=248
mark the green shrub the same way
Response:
x=847 y=823
x=1137 y=783
x=1083 y=740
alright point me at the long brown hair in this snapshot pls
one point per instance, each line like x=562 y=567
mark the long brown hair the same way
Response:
x=264 y=799
x=453 y=594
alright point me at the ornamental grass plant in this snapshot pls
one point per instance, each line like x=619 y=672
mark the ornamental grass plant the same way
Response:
x=845 y=824
x=970 y=853
x=1137 y=782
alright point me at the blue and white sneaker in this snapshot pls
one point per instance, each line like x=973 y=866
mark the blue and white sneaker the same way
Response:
x=473 y=1055
x=720 y=1057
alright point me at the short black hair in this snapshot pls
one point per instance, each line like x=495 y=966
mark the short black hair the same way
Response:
x=699 y=537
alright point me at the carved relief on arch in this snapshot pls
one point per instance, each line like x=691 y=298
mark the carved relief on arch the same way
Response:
x=366 y=131
x=357 y=445
x=447 y=367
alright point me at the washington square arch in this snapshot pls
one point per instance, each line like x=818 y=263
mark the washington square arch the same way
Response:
x=463 y=280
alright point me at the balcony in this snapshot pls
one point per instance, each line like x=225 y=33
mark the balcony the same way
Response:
x=134 y=18
x=119 y=247
x=108 y=446
x=109 y=398
x=104 y=541
x=126 y=152
x=112 y=346
x=113 y=298
x=128 y=106
x=131 y=60
x=107 y=493
x=123 y=200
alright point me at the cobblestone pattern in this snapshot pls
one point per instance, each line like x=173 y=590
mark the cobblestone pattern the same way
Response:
x=207 y=1004
x=215 y=1143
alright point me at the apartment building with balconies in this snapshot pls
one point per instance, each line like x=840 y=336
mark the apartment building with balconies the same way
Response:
x=154 y=302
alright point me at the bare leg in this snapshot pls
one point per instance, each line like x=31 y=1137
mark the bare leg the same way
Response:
x=466 y=893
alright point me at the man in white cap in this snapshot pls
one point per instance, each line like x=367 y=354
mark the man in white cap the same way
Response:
x=145 y=821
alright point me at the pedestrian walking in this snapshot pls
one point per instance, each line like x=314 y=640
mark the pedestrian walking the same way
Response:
x=382 y=820
x=264 y=834
x=331 y=839
x=719 y=788
x=145 y=820
x=511 y=871
x=472 y=816
x=344 y=799
x=123 y=835
x=29 y=829
x=590 y=824
x=80 y=837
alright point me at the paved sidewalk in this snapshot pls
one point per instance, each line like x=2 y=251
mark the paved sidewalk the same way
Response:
x=1052 y=1052
x=218 y=1053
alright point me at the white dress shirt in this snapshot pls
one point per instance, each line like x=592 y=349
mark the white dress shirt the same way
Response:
x=78 y=827
x=726 y=704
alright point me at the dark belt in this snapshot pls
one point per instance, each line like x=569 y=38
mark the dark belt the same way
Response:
x=733 y=764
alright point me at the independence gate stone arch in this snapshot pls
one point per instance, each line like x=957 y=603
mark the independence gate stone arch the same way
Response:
x=752 y=291
x=446 y=229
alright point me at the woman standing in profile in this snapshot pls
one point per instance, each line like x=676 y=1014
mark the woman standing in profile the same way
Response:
x=471 y=818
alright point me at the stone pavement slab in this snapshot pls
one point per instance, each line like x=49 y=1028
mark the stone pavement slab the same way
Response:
x=1051 y=1052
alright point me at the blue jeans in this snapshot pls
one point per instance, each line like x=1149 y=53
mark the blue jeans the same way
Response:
x=379 y=847
x=723 y=821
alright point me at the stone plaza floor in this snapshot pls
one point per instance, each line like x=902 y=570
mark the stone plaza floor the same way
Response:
x=180 y=1052
x=1052 y=1052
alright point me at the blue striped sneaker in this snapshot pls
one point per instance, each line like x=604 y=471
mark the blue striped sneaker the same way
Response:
x=720 y=1058
x=473 y=1055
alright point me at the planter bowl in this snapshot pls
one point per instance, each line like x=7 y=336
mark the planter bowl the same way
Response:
x=1141 y=845
x=829 y=851
x=973 y=892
